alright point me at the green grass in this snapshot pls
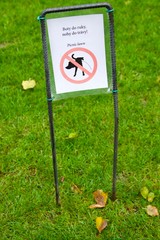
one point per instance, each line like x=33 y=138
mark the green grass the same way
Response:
x=28 y=209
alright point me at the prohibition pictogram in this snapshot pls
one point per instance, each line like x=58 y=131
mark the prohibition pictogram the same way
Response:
x=75 y=59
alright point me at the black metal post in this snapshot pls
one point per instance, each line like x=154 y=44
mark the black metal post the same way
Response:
x=53 y=146
x=115 y=99
x=50 y=112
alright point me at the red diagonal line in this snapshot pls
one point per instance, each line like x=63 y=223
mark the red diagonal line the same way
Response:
x=77 y=65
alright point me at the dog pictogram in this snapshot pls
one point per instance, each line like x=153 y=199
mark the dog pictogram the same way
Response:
x=80 y=60
x=77 y=60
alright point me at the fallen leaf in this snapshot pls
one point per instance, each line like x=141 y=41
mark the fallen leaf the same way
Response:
x=28 y=84
x=152 y=211
x=6 y=44
x=144 y=192
x=127 y=2
x=151 y=197
x=158 y=79
x=32 y=171
x=96 y=206
x=101 y=224
x=100 y=198
x=73 y=135
x=75 y=189
x=62 y=179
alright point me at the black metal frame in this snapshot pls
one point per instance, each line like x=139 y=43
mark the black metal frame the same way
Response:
x=49 y=94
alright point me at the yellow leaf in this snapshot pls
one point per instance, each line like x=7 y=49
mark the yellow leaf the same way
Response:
x=152 y=211
x=151 y=197
x=144 y=192
x=158 y=79
x=127 y=2
x=28 y=84
x=73 y=135
x=99 y=221
x=101 y=224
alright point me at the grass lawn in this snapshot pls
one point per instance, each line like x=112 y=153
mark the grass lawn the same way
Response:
x=28 y=209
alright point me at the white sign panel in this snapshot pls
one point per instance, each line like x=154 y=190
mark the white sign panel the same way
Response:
x=78 y=53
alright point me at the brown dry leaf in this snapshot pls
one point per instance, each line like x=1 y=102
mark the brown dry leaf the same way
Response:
x=152 y=211
x=62 y=179
x=96 y=206
x=101 y=224
x=28 y=84
x=100 y=198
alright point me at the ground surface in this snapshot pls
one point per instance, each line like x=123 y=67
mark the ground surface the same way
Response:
x=28 y=209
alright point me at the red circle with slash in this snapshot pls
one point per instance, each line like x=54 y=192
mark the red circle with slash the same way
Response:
x=90 y=74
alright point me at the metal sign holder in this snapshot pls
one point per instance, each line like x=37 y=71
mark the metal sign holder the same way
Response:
x=41 y=18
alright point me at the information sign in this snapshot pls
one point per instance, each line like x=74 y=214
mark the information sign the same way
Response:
x=77 y=46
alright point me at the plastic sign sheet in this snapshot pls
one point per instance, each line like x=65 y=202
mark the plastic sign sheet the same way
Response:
x=77 y=49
